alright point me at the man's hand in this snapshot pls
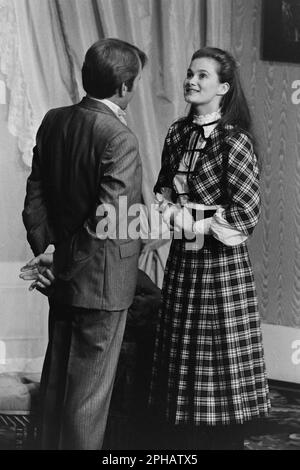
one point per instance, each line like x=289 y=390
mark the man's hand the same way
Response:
x=40 y=270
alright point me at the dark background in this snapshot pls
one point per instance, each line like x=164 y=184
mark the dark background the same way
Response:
x=277 y=43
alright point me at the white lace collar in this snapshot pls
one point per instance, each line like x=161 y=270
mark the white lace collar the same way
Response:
x=206 y=118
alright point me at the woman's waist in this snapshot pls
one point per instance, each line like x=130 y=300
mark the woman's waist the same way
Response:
x=199 y=211
x=185 y=199
x=202 y=210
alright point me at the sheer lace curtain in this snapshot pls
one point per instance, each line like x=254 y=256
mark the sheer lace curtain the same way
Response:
x=42 y=46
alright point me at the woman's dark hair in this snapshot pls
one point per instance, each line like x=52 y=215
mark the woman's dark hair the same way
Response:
x=108 y=63
x=234 y=106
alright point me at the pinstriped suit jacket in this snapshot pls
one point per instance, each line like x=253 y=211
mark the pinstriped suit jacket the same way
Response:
x=84 y=156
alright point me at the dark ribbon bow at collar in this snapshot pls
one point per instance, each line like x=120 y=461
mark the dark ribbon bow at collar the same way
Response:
x=203 y=128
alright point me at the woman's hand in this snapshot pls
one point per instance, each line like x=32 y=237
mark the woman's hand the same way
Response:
x=165 y=206
x=168 y=214
x=184 y=221
x=40 y=270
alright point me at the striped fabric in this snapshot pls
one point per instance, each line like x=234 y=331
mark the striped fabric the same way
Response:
x=208 y=362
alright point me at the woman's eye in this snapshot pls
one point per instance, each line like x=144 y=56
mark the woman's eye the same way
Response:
x=202 y=75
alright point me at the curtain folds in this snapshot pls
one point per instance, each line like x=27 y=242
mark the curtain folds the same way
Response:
x=19 y=121
x=42 y=46
x=219 y=18
x=168 y=31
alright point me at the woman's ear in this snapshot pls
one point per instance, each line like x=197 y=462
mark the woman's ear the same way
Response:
x=223 y=88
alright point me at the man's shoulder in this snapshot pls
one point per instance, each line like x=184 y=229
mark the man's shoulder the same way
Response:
x=60 y=110
x=113 y=132
x=101 y=126
x=119 y=141
x=54 y=116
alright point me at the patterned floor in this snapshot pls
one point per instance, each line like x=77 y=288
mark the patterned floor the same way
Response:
x=281 y=431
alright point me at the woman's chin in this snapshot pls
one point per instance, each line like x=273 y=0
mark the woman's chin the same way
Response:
x=190 y=100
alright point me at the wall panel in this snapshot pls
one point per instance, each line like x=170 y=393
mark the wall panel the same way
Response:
x=276 y=241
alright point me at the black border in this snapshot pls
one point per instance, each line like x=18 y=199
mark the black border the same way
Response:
x=274 y=47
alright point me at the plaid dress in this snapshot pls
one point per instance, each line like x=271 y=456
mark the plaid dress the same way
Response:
x=208 y=362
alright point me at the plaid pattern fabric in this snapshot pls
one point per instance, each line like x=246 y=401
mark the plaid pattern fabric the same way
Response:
x=226 y=172
x=208 y=361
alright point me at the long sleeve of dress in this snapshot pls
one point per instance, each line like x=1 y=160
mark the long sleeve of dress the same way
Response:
x=224 y=232
x=242 y=180
x=165 y=177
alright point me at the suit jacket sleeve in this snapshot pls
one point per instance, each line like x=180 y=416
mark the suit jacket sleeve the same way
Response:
x=35 y=216
x=119 y=166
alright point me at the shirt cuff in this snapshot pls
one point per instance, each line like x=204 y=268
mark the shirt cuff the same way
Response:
x=224 y=232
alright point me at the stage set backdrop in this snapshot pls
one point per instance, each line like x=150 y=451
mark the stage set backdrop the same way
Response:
x=42 y=46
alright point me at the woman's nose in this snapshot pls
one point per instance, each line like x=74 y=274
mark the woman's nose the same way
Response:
x=192 y=80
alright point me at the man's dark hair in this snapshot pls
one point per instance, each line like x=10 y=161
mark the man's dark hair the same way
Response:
x=108 y=63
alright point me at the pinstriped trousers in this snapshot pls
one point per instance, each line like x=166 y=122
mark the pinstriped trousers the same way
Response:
x=78 y=376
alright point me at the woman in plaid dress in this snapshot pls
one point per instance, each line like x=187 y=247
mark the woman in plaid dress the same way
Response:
x=208 y=373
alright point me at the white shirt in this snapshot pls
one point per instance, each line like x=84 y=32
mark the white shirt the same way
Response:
x=114 y=108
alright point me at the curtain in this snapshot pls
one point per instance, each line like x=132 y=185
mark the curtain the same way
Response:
x=42 y=45
x=19 y=114
x=169 y=31
x=219 y=18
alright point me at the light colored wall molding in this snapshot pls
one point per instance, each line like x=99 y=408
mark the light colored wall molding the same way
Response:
x=282 y=352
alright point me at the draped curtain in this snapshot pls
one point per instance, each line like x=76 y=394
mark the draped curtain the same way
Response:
x=42 y=46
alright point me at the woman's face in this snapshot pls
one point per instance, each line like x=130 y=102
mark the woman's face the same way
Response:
x=202 y=87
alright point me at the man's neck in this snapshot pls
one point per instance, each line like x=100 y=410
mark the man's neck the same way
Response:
x=111 y=99
x=116 y=100
x=114 y=107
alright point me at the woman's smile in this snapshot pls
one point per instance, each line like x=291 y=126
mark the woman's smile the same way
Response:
x=191 y=90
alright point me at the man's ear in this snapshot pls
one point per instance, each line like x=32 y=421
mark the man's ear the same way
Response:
x=223 y=88
x=123 y=90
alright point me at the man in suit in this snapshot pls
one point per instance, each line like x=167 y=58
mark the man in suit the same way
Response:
x=85 y=159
